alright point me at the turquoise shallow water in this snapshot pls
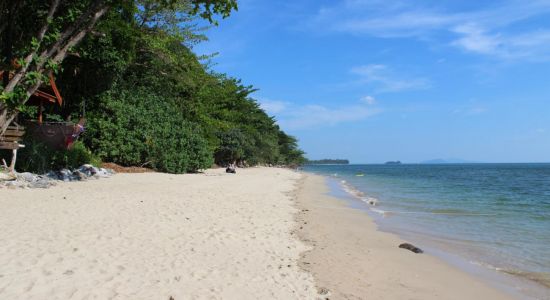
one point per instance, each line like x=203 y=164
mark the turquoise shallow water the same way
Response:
x=493 y=215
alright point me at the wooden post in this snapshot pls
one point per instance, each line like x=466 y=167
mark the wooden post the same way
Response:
x=40 y=108
x=13 y=159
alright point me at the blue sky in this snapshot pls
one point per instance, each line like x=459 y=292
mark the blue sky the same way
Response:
x=374 y=80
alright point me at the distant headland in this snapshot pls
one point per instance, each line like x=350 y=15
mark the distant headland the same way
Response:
x=327 y=162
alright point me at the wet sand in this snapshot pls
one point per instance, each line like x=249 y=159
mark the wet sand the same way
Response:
x=351 y=259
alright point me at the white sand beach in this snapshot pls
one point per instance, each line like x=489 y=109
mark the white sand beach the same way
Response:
x=208 y=236
x=154 y=236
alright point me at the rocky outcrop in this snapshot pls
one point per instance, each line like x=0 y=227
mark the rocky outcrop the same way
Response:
x=30 y=180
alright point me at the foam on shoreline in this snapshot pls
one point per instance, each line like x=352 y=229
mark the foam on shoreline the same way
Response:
x=523 y=280
x=351 y=258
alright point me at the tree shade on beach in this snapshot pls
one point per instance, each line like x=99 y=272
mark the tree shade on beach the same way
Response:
x=148 y=98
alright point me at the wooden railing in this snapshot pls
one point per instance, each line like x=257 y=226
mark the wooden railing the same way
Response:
x=10 y=141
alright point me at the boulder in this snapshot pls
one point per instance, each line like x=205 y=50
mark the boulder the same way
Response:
x=15 y=184
x=79 y=175
x=63 y=174
x=411 y=248
x=41 y=184
x=5 y=176
x=89 y=170
x=26 y=176
x=24 y=180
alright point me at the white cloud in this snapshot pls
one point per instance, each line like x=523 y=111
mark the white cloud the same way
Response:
x=272 y=106
x=369 y=100
x=534 y=46
x=386 y=80
x=298 y=117
x=475 y=39
x=489 y=30
x=407 y=24
x=315 y=116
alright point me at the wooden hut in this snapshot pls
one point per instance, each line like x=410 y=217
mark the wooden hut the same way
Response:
x=57 y=135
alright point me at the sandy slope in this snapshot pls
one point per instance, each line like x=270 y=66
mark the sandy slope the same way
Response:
x=355 y=261
x=152 y=236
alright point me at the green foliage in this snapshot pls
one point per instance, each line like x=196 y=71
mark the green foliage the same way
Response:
x=149 y=100
x=38 y=158
x=290 y=154
x=76 y=157
x=232 y=147
x=138 y=128
x=45 y=32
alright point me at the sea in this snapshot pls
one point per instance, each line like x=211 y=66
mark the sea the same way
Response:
x=492 y=220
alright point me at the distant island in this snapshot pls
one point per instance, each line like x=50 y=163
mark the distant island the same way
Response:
x=327 y=162
x=393 y=162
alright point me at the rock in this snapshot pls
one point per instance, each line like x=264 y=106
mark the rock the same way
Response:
x=52 y=175
x=92 y=171
x=63 y=174
x=411 y=247
x=4 y=176
x=322 y=291
x=15 y=184
x=89 y=170
x=102 y=172
x=28 y=177
x=42 y=183
x=30 y=180
x=79 y=175
x=372 y=201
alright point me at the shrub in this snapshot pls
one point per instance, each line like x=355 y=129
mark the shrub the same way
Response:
x=38 y=158
x=75 y=157
x=134 y=128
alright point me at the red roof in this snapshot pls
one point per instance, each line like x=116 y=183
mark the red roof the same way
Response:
x=48 y=93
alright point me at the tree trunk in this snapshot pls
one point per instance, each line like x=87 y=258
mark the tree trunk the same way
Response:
x=5 y=119
x=56 y=52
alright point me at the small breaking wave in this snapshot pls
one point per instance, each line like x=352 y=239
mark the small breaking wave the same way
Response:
x=357 y=194
x=541 y=278
x=538 y=277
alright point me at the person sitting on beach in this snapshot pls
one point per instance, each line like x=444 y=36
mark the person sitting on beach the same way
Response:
x=231 y=169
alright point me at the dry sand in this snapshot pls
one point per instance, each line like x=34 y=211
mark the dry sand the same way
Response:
x=154 y=236
x=208 y=236
x=353 y=260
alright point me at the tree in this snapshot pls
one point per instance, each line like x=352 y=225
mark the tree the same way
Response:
x=39 y=35
x=151 y=101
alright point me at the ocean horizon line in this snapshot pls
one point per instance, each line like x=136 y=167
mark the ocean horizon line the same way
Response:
x=450 y=163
